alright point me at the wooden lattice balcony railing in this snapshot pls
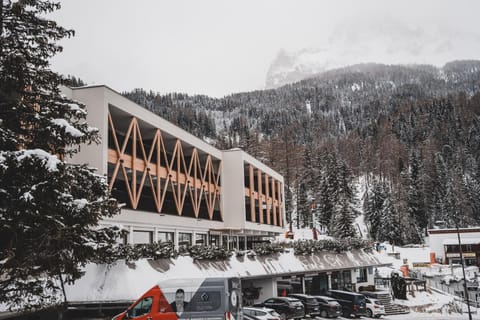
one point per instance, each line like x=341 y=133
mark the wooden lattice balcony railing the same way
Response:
x=169 y=173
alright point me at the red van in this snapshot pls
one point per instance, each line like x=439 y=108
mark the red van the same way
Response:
x=172 y=299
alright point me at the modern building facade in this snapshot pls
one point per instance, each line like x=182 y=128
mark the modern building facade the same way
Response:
x=444 y=243
x=174 y=186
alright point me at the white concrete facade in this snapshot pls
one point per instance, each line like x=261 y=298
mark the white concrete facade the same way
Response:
x=440 y=239
x=102 y=102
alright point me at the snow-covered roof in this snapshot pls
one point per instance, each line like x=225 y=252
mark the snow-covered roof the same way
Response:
x=454 y=241
x=123 y=281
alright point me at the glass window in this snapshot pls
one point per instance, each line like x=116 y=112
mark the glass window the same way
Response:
x=184 y=240
x=200 y=239
x=214 y=240
x=225 y=241
x=361 y=275
x=165 y=236
x=140 y=237
x=233 y=243
x=241 y=243
x=144 y=306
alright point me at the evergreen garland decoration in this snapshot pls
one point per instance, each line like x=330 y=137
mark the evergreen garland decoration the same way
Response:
x=166 y=250
x=266 y=249
x=198 y=252
x=309 y=247
x=158 y=250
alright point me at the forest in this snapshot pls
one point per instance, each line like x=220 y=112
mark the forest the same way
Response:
x=411 y=133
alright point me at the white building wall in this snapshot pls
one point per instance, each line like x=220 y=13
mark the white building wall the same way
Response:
x=233 y=189
x=95 y=155
x=436 y=241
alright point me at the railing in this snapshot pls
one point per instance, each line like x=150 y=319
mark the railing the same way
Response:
x=454 y=288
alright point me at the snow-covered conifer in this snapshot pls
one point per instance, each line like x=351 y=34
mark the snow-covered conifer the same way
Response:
x=49 y=208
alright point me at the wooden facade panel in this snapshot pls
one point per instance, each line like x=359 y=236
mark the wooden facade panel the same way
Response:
x=169 y=173
x=268 y=194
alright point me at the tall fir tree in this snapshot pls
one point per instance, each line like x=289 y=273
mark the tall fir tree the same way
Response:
x=327 y=191
x=303 y=207
x=342 y=224
x=415 y=202
x=49 y=209
x=373 y=207
x=391 y=227
x=345 y=207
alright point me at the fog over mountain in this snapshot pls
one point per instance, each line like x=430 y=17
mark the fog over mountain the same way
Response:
x=381 y=40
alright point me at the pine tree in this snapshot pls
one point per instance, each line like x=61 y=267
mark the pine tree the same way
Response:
x=303 y=207
x=327 y=191
x=391 y=227
x=49 y=209
x=373 y=207
x=345 y=211
x=416 y=207
x=342 y=225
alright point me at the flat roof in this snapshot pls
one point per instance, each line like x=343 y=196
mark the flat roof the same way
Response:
x=454 y=230
x=453 y=241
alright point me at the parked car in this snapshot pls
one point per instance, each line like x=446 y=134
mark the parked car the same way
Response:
x=353 y=304
x=261 y=313
x=374 y=308
x=288 y=308
x=249 y=317
x=311 y=305
x=329 y=307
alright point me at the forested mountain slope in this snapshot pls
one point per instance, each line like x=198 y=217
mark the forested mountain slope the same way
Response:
x=413 y=130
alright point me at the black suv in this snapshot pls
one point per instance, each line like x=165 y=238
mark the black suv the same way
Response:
x=288 y=308
x=352 y=303
x=329 y=307
x=312 y=308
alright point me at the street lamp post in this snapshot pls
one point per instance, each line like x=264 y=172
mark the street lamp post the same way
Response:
x=463 y=270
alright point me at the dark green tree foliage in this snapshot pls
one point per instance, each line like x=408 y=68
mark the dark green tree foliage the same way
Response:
x=415 y=203
x=304 y=213
x=49 y=209
x=373 y=207
x=345 y=208
x=399 y=111
x=391 y=228
x=327 y=191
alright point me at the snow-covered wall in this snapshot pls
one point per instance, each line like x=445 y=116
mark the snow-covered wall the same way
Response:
x=122 y=281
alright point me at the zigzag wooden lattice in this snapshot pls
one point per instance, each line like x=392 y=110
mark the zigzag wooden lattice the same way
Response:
x=201 y=183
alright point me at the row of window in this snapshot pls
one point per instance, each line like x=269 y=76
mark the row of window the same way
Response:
x=186 y=239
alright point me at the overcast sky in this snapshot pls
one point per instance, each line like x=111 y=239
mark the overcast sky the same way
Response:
x=218 y=47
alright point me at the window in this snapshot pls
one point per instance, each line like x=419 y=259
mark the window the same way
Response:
x=184 y=240
x=361 y=275
x=215 y=240
x=142 y=307
x=165 y=236
x=141 y=237
x=225 y=241
x=233 y=243
x=201 y=239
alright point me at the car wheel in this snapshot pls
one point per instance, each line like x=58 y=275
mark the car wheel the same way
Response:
x=369 y=313
x=324 y=314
